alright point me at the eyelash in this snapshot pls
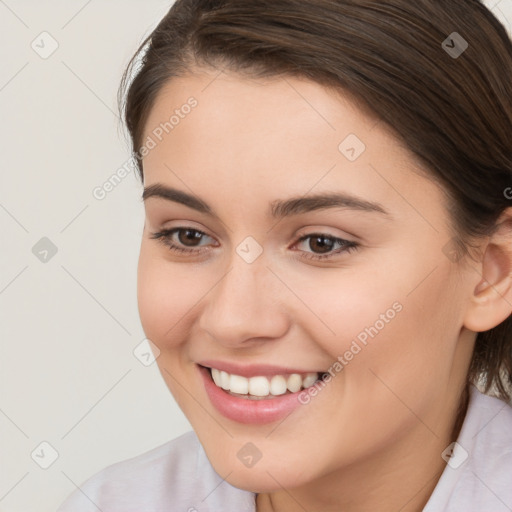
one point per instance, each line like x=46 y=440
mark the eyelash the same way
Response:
x=164 y=237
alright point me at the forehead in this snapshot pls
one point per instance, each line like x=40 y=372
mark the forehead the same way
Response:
x=278 y=137
x=244 y=120
x=236 y=101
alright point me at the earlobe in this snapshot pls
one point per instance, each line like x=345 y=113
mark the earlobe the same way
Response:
x=491 y=300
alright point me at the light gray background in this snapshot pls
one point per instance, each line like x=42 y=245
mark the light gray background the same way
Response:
x=69 y=325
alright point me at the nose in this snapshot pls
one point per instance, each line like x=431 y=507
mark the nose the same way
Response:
x=246 y=305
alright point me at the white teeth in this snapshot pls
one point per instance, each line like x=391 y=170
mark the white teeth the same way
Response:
x=262 y=386
x=259 y=386
x=294 y=382
x=278 y=385
x=238 y=384
x=224 y=380
x=216 y=376
x=309 y=380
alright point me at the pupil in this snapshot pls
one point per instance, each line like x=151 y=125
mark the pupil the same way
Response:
x=324 y=247
x=191 y=236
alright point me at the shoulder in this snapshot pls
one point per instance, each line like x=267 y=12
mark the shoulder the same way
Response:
x=478 y=475
x=173 y=476
x=487 y=436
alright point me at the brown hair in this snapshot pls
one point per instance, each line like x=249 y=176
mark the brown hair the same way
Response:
x=454 y=112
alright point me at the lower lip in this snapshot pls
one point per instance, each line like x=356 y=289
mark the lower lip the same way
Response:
x=244 y=410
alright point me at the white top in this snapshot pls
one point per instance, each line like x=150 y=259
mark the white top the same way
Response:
x=178 y=477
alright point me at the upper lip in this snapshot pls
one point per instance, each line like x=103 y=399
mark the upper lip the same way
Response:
x=252 y=370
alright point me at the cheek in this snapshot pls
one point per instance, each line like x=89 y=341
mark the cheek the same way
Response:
x=346 y=305
x=397 y=316
x=414 y=349
x=165 y=295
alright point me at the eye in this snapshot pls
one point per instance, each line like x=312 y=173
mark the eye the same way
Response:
x=326 y=244
x=187 y=236
x=188 y=241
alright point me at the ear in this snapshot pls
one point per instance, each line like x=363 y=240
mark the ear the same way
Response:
x=491 y=301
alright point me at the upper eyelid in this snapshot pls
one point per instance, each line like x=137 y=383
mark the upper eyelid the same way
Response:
x=173 y=230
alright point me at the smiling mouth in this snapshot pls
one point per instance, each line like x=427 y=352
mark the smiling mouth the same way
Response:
x=263 y=387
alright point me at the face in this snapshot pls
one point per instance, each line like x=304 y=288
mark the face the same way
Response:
x=359 y=286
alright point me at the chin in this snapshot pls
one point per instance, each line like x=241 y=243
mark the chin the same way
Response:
x=261 y=478
x=259 y=481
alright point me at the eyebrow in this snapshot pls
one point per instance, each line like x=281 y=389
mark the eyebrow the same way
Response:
x=279 y=208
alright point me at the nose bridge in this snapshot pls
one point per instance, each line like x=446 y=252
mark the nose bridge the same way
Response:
x=243 y=304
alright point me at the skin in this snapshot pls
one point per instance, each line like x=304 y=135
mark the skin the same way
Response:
x=372 y=438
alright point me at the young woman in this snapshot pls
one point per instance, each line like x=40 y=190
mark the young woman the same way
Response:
x=326 y=263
